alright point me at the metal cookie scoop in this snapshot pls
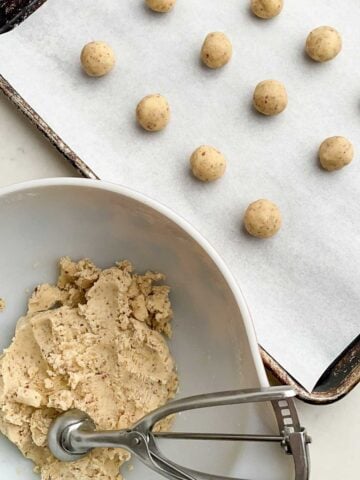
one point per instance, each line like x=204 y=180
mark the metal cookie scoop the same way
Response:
x=72 y=435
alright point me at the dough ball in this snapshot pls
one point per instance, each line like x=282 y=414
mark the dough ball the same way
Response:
x=207 y=163
x=161 y=6
x=266 y=8
x=270 y=97
x=262 y=219
x=323 y=44
x=97 y=59
x=335 y=153
x=153 y=112
x=216 y=50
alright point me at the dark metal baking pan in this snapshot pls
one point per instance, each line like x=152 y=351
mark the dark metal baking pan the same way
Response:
x=342 y=375
x=13 y=12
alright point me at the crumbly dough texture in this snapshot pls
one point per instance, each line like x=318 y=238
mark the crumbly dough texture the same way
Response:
x=153 y=112
x=335 y=153
x=270 y=97
x=97 y=59
x=2 y=304
x=216 y=50
x=161 y=6
x=267 y=8
x=262 y=219
x=94 y=342
x=323 y=44
x=207 y=163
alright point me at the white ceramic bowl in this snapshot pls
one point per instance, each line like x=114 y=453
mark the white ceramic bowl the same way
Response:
x=214 y=343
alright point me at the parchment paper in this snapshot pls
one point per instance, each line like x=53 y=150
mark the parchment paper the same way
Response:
x=302 y=287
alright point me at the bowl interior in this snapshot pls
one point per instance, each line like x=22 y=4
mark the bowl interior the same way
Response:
x=43 y=222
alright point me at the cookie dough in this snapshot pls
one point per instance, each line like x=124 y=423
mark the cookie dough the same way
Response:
x=97 y=59
x=262 y=219
x=153 y=112
x=207 y=163
x=270 y=97
x=335 y=153
x=323 y=44
x=2 y=304
x=216 y=50
x=95 y=342
x=266 y=8
x=161 y=6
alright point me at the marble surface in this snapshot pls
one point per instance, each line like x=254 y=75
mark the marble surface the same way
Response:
x=335 y=429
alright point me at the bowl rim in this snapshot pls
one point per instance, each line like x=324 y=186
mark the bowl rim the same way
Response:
x=179 y=221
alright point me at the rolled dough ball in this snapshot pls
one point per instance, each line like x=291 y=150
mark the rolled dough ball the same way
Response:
x=270 y=97
x=216 y=50
x=207 y=163
x=262 y=219
x=266 y=8
x=323 y=44
x=336 y=153
x=161 y=6
x=97 y=59
x=153 y=112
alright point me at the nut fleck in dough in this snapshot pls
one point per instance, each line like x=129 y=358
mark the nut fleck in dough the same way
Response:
x=161 y=6
x=153 y=113
x=99 y=348
x=216 y=50
x=262 y=219
x=323 y=44
x=270 y=97
x=207 y=163
x=266 y=8
x=2 y=304
x=97 y=59
x=336 y=153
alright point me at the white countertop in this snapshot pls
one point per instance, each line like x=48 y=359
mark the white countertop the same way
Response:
x=335 y=429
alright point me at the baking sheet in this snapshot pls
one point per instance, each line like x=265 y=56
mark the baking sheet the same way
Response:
x=302 y=286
